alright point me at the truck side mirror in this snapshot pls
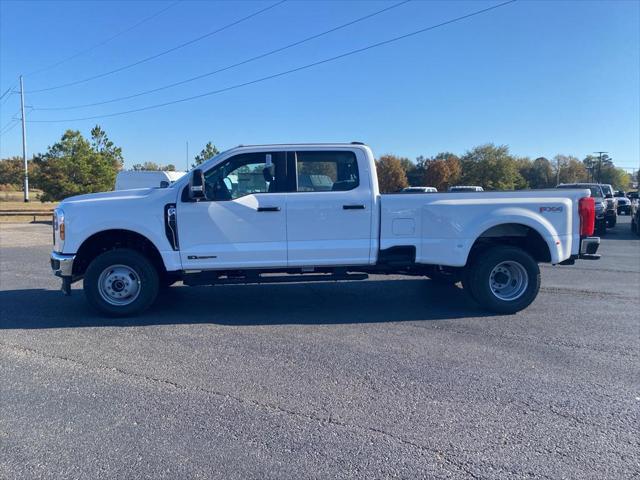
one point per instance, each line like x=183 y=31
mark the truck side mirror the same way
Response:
x=196 y=185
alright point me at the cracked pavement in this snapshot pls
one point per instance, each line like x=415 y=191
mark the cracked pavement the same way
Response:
x=393 y=377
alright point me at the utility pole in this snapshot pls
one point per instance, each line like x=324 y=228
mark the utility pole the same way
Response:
x=599 y=164
x=24 y=144
x=187 y=156
x=558 y=172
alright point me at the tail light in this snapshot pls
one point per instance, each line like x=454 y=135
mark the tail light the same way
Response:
x=587 y=213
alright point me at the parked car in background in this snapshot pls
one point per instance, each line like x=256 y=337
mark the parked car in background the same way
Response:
x=598 y=196
x=466 y=188
x=635 y=216
x=419 y=190
x=623 y=203
x=130 y=179
x=632 y=196
x=611 y=211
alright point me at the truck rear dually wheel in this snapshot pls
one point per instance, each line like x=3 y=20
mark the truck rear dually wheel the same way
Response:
x=121 y=282
x=504 y=279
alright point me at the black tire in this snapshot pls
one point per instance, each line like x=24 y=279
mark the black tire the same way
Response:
x=601 y=228
x=142 y=273
x=634 y=228
x=503 y=258
x=467 y=284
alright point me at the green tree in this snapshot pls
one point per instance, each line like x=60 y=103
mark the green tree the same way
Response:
x=537 y=174
x=205 y=154
x=75 y=165
x=491 y=167
x=391 y=175
x=409 y=168
x=105 y=147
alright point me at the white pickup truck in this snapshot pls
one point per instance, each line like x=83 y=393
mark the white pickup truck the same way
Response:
x=312 y=212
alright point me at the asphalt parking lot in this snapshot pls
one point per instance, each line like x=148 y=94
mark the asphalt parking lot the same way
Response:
x=387 y=378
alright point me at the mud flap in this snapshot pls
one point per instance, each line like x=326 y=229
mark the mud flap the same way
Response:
x=66 y=286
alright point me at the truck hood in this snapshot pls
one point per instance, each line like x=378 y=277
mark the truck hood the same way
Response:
x=110 y=196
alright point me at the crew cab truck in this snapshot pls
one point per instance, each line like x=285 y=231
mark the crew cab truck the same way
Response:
x=312 y=212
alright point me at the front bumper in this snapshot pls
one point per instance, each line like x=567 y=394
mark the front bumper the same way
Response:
x=62 y=264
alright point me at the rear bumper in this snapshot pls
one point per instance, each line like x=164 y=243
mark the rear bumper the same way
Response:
x=589 y=248
x=62 y=264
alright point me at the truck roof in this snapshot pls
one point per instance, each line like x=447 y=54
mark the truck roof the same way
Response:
x=306 y=145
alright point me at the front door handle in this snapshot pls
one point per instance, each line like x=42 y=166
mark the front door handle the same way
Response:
x=268 y=209
x=353 y=207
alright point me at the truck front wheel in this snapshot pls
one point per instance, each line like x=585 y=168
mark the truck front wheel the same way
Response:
x=503 y=279
x=121 y=282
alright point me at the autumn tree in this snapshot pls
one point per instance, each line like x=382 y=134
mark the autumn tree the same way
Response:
x=209 y=150
x=12 y=173
x=391 y=175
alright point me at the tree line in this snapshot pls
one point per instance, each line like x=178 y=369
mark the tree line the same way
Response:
x=495 y=168
x=76 y=165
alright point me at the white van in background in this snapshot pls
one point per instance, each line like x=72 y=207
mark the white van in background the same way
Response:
x=419 y=190
x=130 y=179
x=466 y=188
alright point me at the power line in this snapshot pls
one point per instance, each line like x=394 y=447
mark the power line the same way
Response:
x=228 y=67
x=164 y=52
x=104 y=42
x=286 y=72
x=6 y=91
x=11 y=126
x=10 y=92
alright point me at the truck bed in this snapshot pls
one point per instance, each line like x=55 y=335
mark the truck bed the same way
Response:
x=444 y=226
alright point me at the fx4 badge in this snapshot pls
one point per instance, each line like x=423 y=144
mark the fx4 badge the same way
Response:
x=550 y=209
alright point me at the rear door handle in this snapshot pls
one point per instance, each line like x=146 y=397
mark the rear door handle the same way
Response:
x=268 y=209
x=353 y=207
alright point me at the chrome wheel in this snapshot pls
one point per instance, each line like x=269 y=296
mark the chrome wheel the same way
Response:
x=508 y=280
x=119 y=285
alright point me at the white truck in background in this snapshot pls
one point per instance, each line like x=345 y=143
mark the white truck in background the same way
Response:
x=130 y=179
x=312 y=212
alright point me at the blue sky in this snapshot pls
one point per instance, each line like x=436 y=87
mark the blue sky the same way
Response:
x=542 y=77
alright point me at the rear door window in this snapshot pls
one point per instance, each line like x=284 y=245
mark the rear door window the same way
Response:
x=326 y=171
